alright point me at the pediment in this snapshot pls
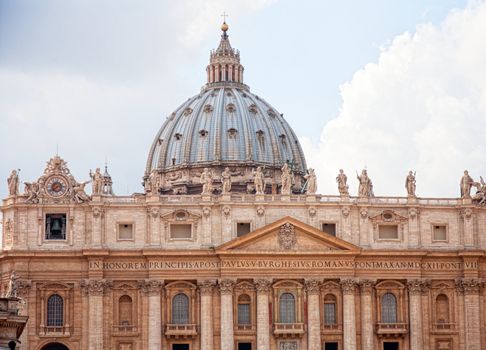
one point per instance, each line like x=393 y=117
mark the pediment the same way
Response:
x=287 y=235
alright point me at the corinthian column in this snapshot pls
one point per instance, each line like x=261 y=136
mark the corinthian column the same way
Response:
x=314 y=318
x=263 y=321
x=471 y=289
x=226 y=291
x=367 y=334
x=23 y=290
x=415 y=303
x=153 y=288
x=206 y=289
x=349 y=313
x=95 y=289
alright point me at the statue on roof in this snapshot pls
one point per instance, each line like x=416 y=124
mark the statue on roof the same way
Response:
x=311 y=181
x=207 y=181
x=32 y=189
x=466 y=184
x=259 y=180
x=13 y=285
x=365 y=188
x=153 y=182
x=410 y=184
x=79 y=194
x=13 y=183
x=342 y=181
x=97 y=181
x=226 y=180
x=286 y=179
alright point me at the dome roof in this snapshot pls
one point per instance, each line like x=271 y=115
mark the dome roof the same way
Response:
x=223 y=126
x=228 y=125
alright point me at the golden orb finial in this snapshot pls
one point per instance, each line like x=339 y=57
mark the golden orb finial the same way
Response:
x=224 y=27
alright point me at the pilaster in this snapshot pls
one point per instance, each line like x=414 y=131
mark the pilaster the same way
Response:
x=367 y=333
x=227 y=336
x=206 y=290
x=263 y=287
x=153 y=290
x=312 y=287
x=348 y=287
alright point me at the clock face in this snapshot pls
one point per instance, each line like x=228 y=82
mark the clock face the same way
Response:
x=56 y=186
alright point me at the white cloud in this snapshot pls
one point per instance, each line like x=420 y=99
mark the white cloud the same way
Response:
x=421 y=107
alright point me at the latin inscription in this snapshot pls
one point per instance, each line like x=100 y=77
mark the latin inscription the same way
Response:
x=281 y=264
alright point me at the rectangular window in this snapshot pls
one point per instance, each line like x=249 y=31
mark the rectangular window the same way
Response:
x=440 y=232
x=125 y=231
x=329 y=228
x=242 y=228
x=244 y=314
x=55 y=226
x=329 y=313
x=331 y=346
x=388 y=231
x=181 y=231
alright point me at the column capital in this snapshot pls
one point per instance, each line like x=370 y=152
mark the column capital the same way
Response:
x=226 y=285
x=348 y=285
x=23 y=287
x=206 y=286
x=151 y=287
x=468 y=285
x=95 y=287
x=262 y=285
x=417 y=286
x=366 y=286
x=312 y=286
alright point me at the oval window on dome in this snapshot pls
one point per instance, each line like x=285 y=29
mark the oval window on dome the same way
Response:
x=187 y=111
x=272 y=113
x=253 y=109
x=208 y=109
x=232 y=133
x=178 y=136
x=203 y=133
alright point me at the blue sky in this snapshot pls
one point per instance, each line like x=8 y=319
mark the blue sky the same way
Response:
x=97 y=78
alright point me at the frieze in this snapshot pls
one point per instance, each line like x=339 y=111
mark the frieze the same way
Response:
x=269 y=263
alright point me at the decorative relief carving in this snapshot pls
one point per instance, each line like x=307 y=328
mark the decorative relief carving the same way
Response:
x=153 y=212
x=413 y=213
x=206 y=287
x=466 y=213
x=262 y=285
x=288 y=345
x=312 y=286
x=95 y=287
x=245 y=287
x=260 y=210
x=348 y=285
x=97 y=212
x=226 y=286
x=363 y=212
x=469 y=285
x=312 y=212
x=206 y=211
x=286 y=236
x=151 y=287
x=345 y=211
x=416 y=287
x=226 y=211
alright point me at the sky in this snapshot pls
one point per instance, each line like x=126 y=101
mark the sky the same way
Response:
x=391 y=86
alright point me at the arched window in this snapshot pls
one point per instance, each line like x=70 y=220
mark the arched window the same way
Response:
x=125 y=310
x=180 y=309
x=442 y=308
x=330 y=310
x=244 y=309
x=287 y=308
x=389 y=308
x=55 y=311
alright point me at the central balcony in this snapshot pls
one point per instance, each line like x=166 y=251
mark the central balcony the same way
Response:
x=291 y=330
x=394 y=330
x=180 y=330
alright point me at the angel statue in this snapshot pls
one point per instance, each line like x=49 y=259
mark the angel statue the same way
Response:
x=80 y=195
x=32 y=191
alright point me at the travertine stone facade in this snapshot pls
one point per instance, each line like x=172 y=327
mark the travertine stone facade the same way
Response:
x=259 y=264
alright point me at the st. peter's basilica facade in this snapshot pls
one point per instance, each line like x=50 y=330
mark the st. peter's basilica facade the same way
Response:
x=229 y=247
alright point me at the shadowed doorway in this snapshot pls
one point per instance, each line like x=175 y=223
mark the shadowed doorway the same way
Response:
x=391 y=345
x=55 y=346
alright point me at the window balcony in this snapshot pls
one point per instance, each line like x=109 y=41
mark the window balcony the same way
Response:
x=391 y=329
x=55 y=331
x=331 y=328
x=244 y=328
x=288 y=329
x=125 y=330
x=180 y=330
x=442 y=327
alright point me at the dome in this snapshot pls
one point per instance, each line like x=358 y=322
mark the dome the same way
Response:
x=225 y=125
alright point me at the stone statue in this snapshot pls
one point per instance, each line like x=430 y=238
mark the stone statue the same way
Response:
x=410 y=184
x=286 y=179
x=13 y=285
x=311 y=181
x=207 y=181
x=13 y=183
x=80 y=195
x=259 y=181
x=153 y=182
x=365 y=185
x=32 y=191
x=480 y=196
x=97 y=181
x=466 y=184
x=342 y=181
x=226 y=180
